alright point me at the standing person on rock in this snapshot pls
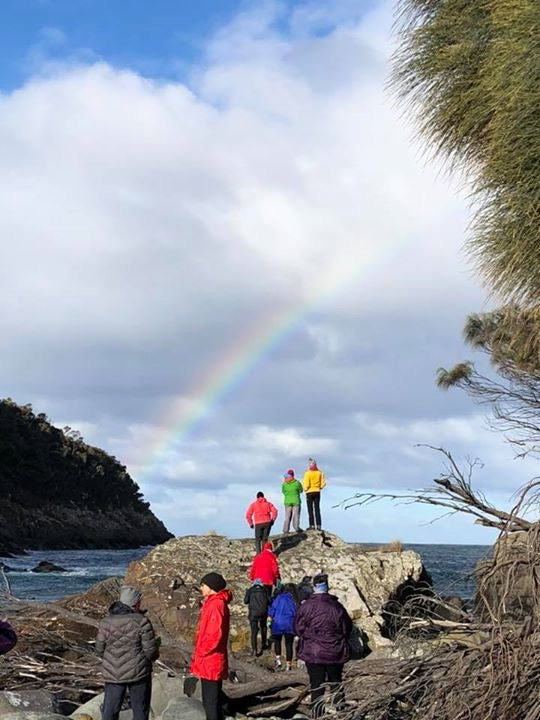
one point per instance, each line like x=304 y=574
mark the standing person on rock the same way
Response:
x=281 y=615
x=210 y=661
x=265 y=567
x=256 y=599
x=261 y=515
x=127 y=645
x=291 y=489
x=314 y=481
x=323 y=626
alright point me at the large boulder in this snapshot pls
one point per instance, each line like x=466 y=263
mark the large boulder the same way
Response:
x=96 y=600
x=507 y=581
x=28 y=701
x=364 y=579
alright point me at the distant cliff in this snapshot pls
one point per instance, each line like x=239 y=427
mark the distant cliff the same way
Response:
x=58 y=492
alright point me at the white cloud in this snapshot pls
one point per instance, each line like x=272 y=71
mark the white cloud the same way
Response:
x=150 y=227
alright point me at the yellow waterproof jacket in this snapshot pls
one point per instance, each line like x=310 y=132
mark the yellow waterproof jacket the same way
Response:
x=313 y=481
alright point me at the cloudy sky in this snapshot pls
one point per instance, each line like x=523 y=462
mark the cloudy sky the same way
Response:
x=222 y=253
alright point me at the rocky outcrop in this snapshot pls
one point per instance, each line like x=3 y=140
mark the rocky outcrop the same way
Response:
x=58 y=492
x=508 y=581
x=47 y=567
x=365 y=580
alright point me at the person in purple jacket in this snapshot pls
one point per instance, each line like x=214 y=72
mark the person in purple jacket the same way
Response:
x=323 y=626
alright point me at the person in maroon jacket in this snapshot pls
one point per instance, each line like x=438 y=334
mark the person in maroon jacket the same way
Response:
x=261 y=515
x=323 y=626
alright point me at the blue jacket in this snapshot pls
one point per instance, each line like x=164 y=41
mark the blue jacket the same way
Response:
x=282 y=611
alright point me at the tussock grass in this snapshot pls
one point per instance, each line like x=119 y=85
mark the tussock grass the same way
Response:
x=470 y=73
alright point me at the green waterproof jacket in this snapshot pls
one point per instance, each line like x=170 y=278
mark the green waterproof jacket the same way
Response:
x=291 y=491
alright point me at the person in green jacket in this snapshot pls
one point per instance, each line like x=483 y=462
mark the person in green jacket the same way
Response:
x=292 y=489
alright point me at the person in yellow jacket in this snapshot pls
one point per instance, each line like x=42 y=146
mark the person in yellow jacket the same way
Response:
x=313 y=484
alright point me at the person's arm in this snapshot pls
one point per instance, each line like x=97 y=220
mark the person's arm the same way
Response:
x=213 y=631
x=300 y=488
x=323 y=481
x=101 y=641
x=252 y=575
x=273 y=512
x=300 y=621
x=249 y=515
x=307 y=481
x=246 y=596
x=346 y=622
x=148 y=640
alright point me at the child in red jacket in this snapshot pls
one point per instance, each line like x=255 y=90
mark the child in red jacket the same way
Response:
x=209 y=661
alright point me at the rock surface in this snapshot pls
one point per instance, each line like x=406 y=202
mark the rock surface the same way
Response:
x=365 y=580
x=47 y=567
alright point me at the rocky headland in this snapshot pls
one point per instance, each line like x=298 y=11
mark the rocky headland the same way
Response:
x=60 y=493
x=368 y=582
x=55 y=651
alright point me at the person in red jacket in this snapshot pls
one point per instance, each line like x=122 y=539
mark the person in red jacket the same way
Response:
x=209 y=661
x=261 y=514
x=265 y=568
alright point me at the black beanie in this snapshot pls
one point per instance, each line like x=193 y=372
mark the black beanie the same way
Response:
x=214 y=580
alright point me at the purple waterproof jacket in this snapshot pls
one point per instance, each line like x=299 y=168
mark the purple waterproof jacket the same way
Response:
x=323 y=626
x=8 y=637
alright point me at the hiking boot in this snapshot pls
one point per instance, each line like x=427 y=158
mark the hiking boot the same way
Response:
x=278 y=664
x=289 y=666
x=253 y=652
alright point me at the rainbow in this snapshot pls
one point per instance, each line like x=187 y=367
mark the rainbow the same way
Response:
x=182 y=418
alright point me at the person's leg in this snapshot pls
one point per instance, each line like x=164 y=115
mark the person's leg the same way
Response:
x=140 y=694
x=288 y=509
x=317 y=674
x=211 y=699
x=112 y=701
x=277 y=647
x=309 y=501
x=289 y=641
x=296 y=517
x=317 y=508
x=266 y=532
x=258 y=538
x=334 y=674
x=254 y=628
x=262 y=622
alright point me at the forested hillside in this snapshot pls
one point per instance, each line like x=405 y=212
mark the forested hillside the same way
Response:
x=59 y=492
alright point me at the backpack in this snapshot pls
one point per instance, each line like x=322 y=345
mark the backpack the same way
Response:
x=258 y=601
x=8 y=637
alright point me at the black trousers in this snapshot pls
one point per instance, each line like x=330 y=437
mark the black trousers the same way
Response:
x=257 y=624
x=289 y=642
x=140 y=693
x=262 y=531
x=313 y=501
x=212 y=699
x=319 y=674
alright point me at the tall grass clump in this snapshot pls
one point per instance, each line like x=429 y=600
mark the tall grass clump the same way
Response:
x=469 y=70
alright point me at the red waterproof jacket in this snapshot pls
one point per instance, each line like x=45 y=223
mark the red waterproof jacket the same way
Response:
x=209 y=660
x=265 y=567
x=260 y=511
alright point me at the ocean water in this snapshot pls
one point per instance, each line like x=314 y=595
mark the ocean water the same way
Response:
x=451 y=567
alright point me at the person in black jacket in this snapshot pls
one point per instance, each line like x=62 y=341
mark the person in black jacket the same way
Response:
x=257 y=601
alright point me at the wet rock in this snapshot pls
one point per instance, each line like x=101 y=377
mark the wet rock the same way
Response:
x=184 y=707
x=365 y=580
x=95 y=601
x=47 y=567
x=27 y=700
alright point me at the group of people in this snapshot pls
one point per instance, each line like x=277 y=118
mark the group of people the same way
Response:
x=311 y=624
x=262 y=514
x=127 y=644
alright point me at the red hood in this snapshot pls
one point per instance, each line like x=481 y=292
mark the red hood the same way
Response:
x=222 y=595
